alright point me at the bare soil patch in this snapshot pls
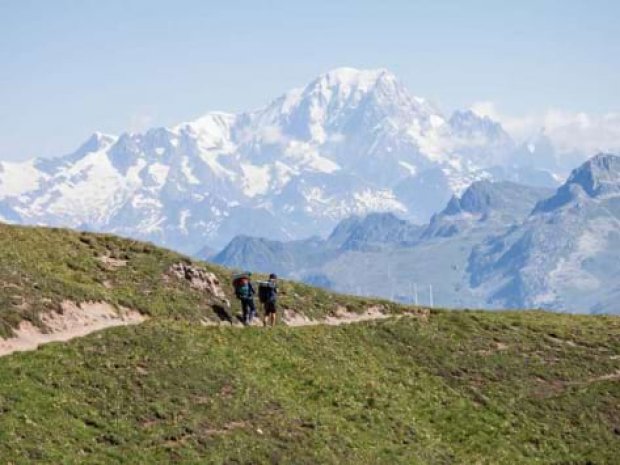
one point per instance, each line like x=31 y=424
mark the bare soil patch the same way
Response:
x=112 y=262
x=342 y=316
x=73 y=320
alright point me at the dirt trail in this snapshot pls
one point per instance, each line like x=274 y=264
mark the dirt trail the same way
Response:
x=615 y=376
x=78 y=320
x=340 y=317
x=72 y=321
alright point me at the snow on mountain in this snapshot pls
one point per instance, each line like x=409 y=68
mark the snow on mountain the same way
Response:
x=350 y=142
x=18 y=178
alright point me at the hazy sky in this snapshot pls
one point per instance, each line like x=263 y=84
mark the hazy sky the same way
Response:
x=69 y=68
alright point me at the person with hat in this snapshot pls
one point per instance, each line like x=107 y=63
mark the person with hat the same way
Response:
x=244 y=291
x=268 y=293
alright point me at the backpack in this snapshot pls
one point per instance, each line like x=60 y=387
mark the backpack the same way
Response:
x=242 y=287
x=266 y=292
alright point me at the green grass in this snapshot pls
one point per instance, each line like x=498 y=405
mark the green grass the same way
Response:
x=396 y=391
x=456 y=388
x=41 y=267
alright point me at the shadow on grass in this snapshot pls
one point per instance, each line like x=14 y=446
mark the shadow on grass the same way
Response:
x=222 y=314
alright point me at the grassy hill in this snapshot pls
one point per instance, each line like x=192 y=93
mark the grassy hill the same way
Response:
x=41 y=267
x=453 y=388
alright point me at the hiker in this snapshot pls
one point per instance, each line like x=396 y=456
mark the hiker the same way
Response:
x=244 y=291
x=268 y=295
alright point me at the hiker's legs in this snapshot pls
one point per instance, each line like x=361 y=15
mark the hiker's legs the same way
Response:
x=252 y=309
x=270 y=313
x=243 y=311
x=245 y=307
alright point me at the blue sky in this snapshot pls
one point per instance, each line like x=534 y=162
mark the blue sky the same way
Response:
x=69 y=68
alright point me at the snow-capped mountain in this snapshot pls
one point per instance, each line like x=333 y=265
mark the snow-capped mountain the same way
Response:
x=349 y=143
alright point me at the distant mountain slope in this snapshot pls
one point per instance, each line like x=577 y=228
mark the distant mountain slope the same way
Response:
x=375 y=231
x=378 y=230
x=498 y=245
x=351 y=142
x=566 y=255
x=389 y=254
x=440 y=256
x=484 y=203
x=245 y=252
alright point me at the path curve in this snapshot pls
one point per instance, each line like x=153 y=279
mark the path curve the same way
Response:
x=340 y=317
x=73 y=320
x=79 y=320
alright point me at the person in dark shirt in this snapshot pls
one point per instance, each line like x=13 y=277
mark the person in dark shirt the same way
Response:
x=244 y=290
x=270 y=303
x=247 y=306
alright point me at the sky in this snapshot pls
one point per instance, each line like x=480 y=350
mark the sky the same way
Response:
x=70 y=68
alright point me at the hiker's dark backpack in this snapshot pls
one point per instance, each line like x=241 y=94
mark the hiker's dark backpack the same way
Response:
x=241 y=283
x=266 y=292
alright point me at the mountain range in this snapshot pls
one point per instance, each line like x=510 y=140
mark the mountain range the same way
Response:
x=497 y=245
x=351 y=142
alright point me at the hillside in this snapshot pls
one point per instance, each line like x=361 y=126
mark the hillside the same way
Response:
x=42 y=268
x=417 y=388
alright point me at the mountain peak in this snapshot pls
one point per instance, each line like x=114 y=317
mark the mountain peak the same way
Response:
x=378 y=230
x=597 y=177
x=363 y=79
x=344 y=100
x=351 y=84
x=501 y=202
x=484 y=197
x=469 y=123
x=97 y=141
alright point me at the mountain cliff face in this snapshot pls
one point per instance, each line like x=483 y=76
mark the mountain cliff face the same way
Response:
x=566 y=254
x=486 y=205
x=351 y=142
